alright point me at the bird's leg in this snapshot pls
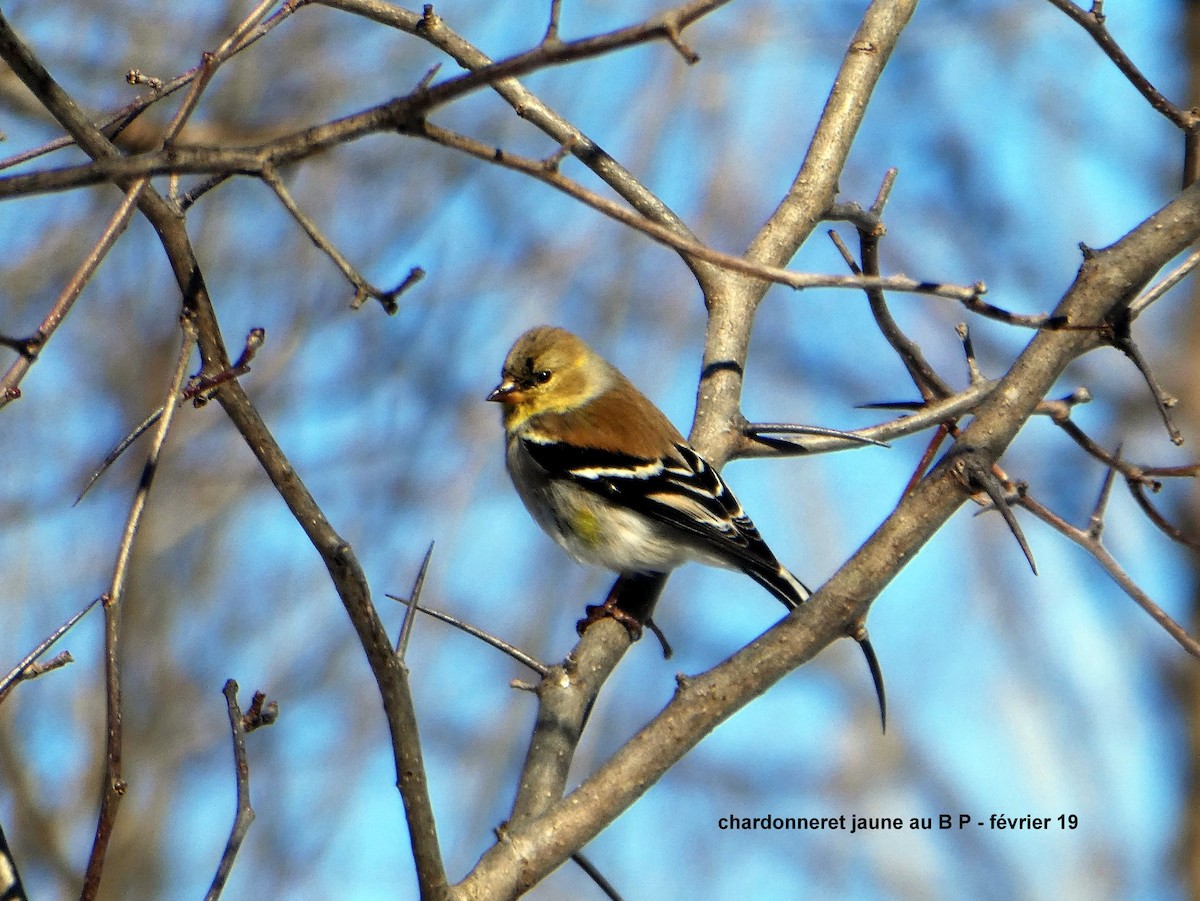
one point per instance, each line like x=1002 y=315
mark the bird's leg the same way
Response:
x=630 y=602
x=611 y=607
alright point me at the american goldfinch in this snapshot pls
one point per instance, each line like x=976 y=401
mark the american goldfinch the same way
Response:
x=609 y=478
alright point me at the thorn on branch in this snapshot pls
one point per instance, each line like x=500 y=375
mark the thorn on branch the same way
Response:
x=1117 y=331
x=596 y=876
x=1096 y=520
x=972 y=468
x=189 y=197
x=859 y=633
x=413 y=598
x=427 y=78
x=29 y=348
x=847 y=256
x=672 y=32
x=760 y=433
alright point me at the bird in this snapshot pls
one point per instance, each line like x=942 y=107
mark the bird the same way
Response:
x=606 y=475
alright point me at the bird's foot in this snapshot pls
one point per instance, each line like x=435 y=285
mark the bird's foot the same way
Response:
x=632 y=624
x=597 y=612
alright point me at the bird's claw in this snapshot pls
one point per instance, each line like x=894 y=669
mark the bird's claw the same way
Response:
x=597 y=612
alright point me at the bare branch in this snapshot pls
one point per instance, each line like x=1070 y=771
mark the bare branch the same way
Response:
x=1092 y=21
x=534 y=848
x=1092 y=545
x=475 y=632
x=362 y=288
x=687 y=246
x=1169 y=281
x=244 y=815
x=32 y=346
x=114 y=124
x=198 y=391
x=113 y=784
x=18 y=672
x=975 y=472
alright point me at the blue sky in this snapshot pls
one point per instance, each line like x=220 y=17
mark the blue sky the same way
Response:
x=1010 y=694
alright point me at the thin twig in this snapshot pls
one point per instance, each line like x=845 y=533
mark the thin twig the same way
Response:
x=198 y=391
x=1138 y=490
x=551 y=36
x=113 y=124
x=18 y=672
x=920 y=370
x=964 y=335
x=362 y=287
x=687 y=246
x=1082 y=538
x=244 y=815
x=475 y=632
x=1095 y=527
x=1092 y=21
x=1165 y=284
x=113 y=785
x=117 y=224
x=401 y=113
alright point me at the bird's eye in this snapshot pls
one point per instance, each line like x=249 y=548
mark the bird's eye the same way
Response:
x=542 y=376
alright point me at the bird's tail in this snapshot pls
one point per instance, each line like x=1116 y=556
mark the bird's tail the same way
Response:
x=791 y=592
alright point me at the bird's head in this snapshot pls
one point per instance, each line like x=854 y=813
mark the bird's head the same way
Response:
x=548 y=370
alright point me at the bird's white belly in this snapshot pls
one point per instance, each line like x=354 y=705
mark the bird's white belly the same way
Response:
x=594 y=530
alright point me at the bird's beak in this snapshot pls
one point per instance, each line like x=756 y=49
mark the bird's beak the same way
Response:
x=504 y=392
